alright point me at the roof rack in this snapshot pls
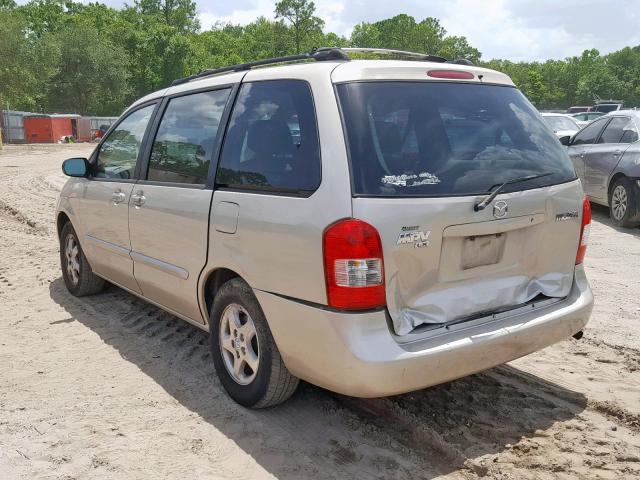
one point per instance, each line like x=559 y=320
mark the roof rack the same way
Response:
x=396 y=53
x=320 y=55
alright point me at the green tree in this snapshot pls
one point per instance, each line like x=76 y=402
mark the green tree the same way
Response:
x=24 y=66
x=301 y=16
x=402 y=32
x=91 y=77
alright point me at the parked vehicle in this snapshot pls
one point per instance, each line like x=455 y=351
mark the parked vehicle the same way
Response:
x=606 y=155
x=561 y=124
x=606 y=106
x=572 y=110
x=370 y=226
x=585 y=118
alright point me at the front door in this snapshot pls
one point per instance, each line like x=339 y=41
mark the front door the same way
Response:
x=604 y=156
x=102 y=204
x=580 y=149
x=169 y=207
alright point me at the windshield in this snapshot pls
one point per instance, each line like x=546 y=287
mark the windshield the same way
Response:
x=439 y=139
x=561 y=123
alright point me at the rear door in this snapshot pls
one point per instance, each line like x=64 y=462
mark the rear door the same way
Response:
x=169 y=207
x=581 y=145
x=605 y=155
x=102 y=204
x=422 y=156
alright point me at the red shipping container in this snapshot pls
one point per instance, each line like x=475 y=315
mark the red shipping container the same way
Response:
x=53 y=128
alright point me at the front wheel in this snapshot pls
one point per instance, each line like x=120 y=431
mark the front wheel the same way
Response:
x=623 y=203
x=244 y=353
x=76 y=271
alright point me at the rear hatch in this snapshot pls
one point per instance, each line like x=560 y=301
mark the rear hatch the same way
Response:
x=422 y=155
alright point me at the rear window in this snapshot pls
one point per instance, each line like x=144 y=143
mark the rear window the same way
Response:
x=439 y=139
x=561 y=123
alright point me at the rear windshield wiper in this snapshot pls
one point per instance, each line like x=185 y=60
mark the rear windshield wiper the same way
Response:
x=482 y=205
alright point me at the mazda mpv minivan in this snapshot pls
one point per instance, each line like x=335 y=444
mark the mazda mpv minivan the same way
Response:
x=370 y=226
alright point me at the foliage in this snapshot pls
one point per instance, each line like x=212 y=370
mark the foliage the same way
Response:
x=70 y=56
x=300 y=14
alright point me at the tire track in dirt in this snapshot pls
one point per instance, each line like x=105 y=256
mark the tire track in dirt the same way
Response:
x=345 y=443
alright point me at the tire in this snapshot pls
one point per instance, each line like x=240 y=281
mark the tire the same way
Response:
x=234 y=313
x=78 y=276
x=623 y=203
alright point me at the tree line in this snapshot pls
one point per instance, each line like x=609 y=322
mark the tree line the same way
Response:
x=66 y=56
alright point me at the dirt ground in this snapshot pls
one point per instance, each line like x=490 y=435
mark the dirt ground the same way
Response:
x=111 y=387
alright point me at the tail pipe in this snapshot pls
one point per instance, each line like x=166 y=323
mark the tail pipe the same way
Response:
x=578 y=335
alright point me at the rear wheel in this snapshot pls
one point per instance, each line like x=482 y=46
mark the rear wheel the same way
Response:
x=623 y=203
x=76 y=271
x=244 y=353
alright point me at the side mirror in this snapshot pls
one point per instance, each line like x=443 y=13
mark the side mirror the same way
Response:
x=566 y=140
x=76 y=167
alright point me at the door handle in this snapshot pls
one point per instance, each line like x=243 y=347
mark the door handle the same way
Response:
x=118 y=197
x=138 y=199
x=617 y=153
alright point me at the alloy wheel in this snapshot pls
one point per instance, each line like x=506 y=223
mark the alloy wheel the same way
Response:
x=72 y=254
x=239 y=344
x=619 y=201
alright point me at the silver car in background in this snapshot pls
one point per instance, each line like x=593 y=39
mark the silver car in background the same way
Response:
x=606 y=156
x=561 y=124
x=370 y=226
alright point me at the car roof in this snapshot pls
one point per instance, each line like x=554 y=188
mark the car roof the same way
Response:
x=550 y=114
x=628 y=113
x=337 y=72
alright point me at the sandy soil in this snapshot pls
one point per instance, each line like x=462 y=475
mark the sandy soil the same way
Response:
x=111 y=387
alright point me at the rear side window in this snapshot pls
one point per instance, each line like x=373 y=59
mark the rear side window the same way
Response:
x=588 y=134
x=119 y=152
x=183 y=147
x=272 y=140
x=438 y=139
x=629 y=133
x=613 y=132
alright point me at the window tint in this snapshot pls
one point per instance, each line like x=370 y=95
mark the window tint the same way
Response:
x=613 y=132
x=629 y=133
x=119 y=152
x=272 y=140
x=427 y=138
x=589 y=133
x=183 y=147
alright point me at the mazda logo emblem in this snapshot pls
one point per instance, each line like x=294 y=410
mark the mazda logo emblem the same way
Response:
x=500 y=209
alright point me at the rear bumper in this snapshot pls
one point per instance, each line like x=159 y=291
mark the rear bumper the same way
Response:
x=355 y=353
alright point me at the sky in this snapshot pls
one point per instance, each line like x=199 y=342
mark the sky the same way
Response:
x=517 y=30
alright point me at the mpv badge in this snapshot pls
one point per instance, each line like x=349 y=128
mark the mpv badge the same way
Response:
x=500 y=209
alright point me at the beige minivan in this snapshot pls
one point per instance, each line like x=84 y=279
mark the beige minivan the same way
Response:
x=370 y=226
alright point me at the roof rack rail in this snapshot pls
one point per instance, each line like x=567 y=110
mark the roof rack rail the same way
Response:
x=396 y=53
x=320 y=55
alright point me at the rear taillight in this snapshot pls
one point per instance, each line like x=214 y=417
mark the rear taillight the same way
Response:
x=584 y=231
x=353 y=266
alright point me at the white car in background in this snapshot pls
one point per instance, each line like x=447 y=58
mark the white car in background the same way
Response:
x=584 y=118
x=561 y=124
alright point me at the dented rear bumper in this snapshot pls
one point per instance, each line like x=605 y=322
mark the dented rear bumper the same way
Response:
x=356 y=353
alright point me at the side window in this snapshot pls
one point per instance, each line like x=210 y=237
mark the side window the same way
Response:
x=629 y=132
x=119 y=152
x=183 y=147
x=272 y=141
x=589 y=133
x=613 y=132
